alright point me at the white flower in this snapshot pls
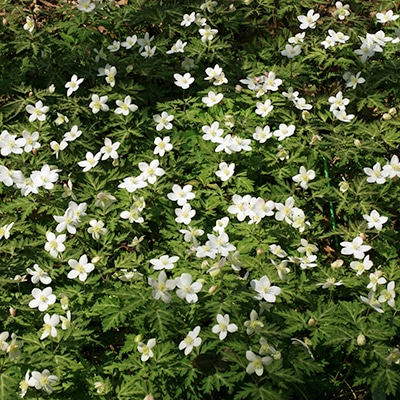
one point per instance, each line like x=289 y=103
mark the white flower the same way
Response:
x=80 y=269
x=264 y=290
x=163 y=121
x=161 y=287
x=341 y=115
x=338 y=102
x=309 y=20
x=191 y=340
x=130 y=41
x=30 y=24
x=223 y=326
x=43 y=380
x=262 y=134
x=73 y=85
x=183 y=81
x=90 y=162
x=225 y=171
x=213 y=133
x=164 y=262
x=109 y=149
x=207 y=34
x=186 y=289
x=146 y=349
x=96 y=229
x=145 y=41
x=42 y=298
x=254 y=325
x=304 y=177
x=375 y=220
x=178 y=47
x=38 y=112
x=55 y=244
x=148 y=51
x=291 y=51
x=86 y=5
x=386 y=17
x=342 y=11
x=360 y=267
x=162 y=145
x=115 y=46
x=185 y=214
x=212 y=98
x=216 y=74
x=353 y=80
x=132 y=183
x=151 y=171
x=257 y=363
x=355 y=248
x=372 y=301
x=125 y=107
x=49 y=326
x=38 y=275
x=188 y=19
x=30 y=140
x=265 y=108
x=181 y=195
x=284 y=131
x=5 y=230
x=98 y=103
x=388 y=295
x=375 y=175
x=73 y=134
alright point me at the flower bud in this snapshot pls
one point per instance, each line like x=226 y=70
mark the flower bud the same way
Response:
x=95 y=259
x=336 y=264
x=238 y=88
x=260 y=251
x=311 y=322
x=129 y=68
x=12 y=312
x=361 y=340
x=52 y=88
x=4 y=22
x=212 y=289
x=149 y=397
x=344 y=186
x=386 y=117
x=138 y=338
x=277 y=355
x=392 y=111
x=305 y=115
x=357 y=143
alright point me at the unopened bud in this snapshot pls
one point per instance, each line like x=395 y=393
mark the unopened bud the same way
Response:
x=386 y=117
x=52 y=88
x=344 y=186
x=95 y=259
x=363 y=236
x=138 y=338
x=361 y=340
x=336 y=264
x=392 y=111
x=260 y=251
x=12 y=312
x=311 y=322
x=277 y=355
x=4 y=22
x=129 y=68
x=305 y=115
x=212 y=289
x=357 y=143
x=238 y=88
x=149 y=397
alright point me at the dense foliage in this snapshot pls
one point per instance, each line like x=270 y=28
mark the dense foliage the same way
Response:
x=199 y=199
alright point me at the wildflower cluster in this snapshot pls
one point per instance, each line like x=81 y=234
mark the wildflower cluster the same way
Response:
x=214 y=201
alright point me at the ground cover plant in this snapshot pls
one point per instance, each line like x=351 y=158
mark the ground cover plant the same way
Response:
x=199 y=199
